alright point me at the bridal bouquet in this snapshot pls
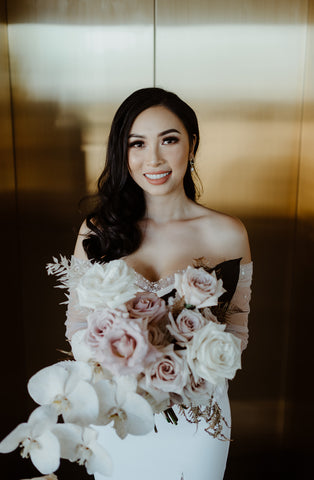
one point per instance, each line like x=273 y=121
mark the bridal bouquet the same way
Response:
x=134 y=354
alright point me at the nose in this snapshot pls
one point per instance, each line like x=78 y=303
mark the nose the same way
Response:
x=154 y=156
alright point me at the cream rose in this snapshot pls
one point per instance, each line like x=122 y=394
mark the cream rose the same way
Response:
x=214 y=354
x=198 y=287
x=110 y=284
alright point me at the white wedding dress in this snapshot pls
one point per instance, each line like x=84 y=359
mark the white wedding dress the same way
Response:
x=184 y=451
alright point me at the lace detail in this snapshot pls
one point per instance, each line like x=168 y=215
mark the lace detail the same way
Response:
x=239 y=308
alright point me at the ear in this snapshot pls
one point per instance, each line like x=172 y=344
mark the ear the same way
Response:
x=192 y=146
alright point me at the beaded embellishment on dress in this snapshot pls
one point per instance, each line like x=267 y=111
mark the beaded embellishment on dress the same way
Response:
x=155 y=287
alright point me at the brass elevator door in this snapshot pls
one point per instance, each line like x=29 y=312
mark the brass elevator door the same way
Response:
x=247 y=68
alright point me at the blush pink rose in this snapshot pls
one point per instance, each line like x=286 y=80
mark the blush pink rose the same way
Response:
x=168 y=373
x=124 y=348
x=147 y=305
x=186 y=324
x=198 y=392
x=198 y=287
x=98 y=322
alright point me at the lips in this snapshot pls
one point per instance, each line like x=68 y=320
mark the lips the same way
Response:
x=157 y=178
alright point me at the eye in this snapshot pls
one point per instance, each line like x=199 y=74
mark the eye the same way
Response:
x=136 y=144
x=170 y=140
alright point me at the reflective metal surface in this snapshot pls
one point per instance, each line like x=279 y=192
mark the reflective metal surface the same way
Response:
x=71 y=65
x=247 y=68
x=300 y=390
x=243 y=67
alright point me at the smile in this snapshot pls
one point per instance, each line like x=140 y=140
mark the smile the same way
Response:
x=156 y=176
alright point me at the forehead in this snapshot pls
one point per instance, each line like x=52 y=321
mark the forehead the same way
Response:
x=157 y=118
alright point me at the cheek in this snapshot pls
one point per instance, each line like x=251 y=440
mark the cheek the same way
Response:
x=180 y=157
x=133 y=164
x=180 y=163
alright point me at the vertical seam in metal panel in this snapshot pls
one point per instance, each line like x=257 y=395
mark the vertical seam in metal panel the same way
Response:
x=11 y=108
x=154 y=40
x=17 y=211
x=293 y=257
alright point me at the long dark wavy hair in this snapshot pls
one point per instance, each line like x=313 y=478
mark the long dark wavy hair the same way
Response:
x=120 y=202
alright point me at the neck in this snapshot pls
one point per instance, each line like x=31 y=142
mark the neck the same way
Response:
x=166 y=208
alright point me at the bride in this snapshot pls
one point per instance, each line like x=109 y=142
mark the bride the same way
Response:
x=148 y=216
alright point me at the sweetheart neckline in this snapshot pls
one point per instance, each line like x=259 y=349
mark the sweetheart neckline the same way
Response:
x=171 y=275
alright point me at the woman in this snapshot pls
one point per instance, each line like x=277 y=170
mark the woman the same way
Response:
x=147 y=215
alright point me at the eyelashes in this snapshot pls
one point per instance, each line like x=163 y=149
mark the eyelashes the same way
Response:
x=165 y=141
x=169 y=140
x=136 y=144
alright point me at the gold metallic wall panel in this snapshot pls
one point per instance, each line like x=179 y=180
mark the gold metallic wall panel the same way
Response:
x=241 y=65
x=300 y=391
x=247 y=91
x=7 y=180
x=11 y=323
x=247 y=68
x=306 y=180
x=72 y=64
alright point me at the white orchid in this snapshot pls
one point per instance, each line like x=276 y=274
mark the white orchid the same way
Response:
x=120 y=403
x=80 y=445
x=66 y=386
x=36 y=439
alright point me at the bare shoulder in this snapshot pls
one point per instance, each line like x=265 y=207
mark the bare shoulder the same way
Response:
x=228 y=233
x=79 y=251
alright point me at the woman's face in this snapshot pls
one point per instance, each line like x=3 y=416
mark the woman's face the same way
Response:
x=158 y=151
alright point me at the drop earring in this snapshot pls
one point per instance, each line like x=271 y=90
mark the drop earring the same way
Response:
x=192 y=163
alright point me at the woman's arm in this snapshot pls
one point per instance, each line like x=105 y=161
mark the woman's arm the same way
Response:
x=75 y=317
x=239 y=308
x=79 y=251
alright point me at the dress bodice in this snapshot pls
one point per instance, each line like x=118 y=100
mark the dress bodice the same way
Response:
x=232 y=308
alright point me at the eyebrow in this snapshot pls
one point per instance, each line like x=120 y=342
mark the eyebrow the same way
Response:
x=170 y=130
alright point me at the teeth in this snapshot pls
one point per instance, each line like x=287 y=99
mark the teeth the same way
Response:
x=156 y=176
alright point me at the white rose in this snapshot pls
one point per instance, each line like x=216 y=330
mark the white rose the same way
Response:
x=109 y=284
x=214 y=354
x=198 y=287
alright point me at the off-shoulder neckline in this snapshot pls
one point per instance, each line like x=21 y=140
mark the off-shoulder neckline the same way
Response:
x=167 y=278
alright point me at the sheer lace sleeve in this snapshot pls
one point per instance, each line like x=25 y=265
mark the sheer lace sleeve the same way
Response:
x=68 y=273
x=75 y=316
x=238 y=311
